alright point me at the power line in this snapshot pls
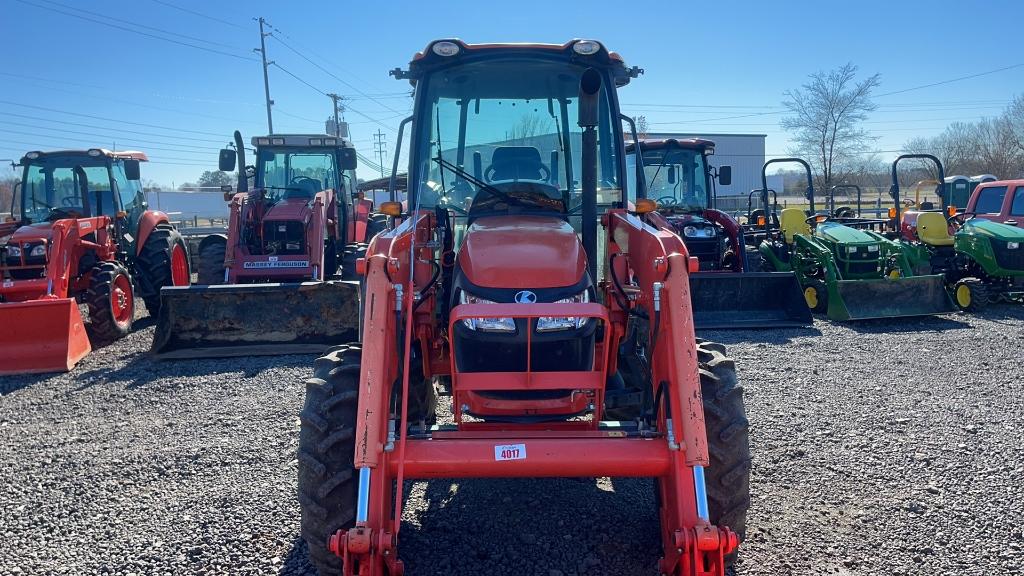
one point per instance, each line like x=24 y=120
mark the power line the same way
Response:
x=181 y=148
x=950 y=81
x=68 y=123
x=37 y=145
x=134 y=31
x=55 y=110
x=97 y=141
x=200 y=14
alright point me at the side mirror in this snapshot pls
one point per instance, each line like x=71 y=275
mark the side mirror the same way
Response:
x=132 y=171
x=672 y=174
x=226 y=162
x=724 y=175
x=347 y=158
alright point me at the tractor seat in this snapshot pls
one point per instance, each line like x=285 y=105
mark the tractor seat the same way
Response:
x=793 y=221
x=933 y=229
x=516 y=163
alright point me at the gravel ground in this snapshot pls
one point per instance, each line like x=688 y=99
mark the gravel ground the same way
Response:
x=879 y=448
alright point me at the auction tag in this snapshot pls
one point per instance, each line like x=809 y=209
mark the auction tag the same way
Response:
x=8 y=283
x=510 y=452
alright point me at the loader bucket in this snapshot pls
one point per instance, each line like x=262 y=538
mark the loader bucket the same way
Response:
x=751 y=300
x=45 y=335
x=255 y=319
x=889 y=297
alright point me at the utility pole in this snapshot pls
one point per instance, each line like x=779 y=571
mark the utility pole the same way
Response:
x=337 y=127
x=266 y=79
x=379 y=146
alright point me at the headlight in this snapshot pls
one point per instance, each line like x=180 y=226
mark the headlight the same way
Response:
x=551 y=324
x=1012 y=245
x=14 y=252
x=485 y=324
x=37 y=251
x=699 y=232
x=873 y=248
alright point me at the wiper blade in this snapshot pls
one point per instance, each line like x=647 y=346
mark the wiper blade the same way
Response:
x=479 y=183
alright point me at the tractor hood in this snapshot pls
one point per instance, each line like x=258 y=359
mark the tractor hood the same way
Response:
x=522 y=252
x=838 y=233
x=992 y=229
x=37 y=231
x=290 y=209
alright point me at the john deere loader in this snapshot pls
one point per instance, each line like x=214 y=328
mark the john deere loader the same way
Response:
x=265 y=287
x=850 y=273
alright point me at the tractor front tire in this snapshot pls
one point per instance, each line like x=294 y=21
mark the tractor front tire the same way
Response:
x=971 y=295
x=211 y=263
x=330 y=259
x=375 y=224
x=111 y=302
x=816 y=296
x=163 y=261
x=727 y=478
x=327 y=475
x=352 y=253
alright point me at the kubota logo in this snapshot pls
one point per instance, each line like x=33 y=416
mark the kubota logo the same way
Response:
x=525 y=297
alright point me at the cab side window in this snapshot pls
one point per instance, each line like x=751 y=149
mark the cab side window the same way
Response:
x=990 y=200
x=1017 y=208
x=129 y=192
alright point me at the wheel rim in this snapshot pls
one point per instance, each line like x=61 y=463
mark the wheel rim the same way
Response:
x=894 y=274
x=179 y=266
x=121 y=299
x=963 y=295
x=811 y=296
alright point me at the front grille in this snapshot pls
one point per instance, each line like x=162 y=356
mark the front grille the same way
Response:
x=1008 y=259
x=569 y=350
x=706 y=250
x=284 y=238
x=860 y=261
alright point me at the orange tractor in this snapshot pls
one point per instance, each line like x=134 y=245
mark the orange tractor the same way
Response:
x=84 y=235
x=266 y=287
x=557 y=320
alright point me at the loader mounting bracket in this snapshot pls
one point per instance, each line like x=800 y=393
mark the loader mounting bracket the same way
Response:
x=702 y=549
x=362 y=542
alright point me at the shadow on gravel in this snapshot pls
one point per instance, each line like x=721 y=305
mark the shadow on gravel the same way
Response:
x=904 y=325
x=141 y=369
x=768 y=336
x=296 y=563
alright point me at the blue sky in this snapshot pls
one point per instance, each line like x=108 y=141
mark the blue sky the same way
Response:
x=77 y=74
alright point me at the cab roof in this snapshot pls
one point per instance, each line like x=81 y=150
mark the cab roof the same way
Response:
x=91 y=152
x=665 y=143
x=301 y=140
x=602 y=57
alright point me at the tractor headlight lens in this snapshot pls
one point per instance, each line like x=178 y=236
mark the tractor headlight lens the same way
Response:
x=551 y=324
x=699 y=232
x=1012 y=245
x=37 y=251
x=14 y=252
x=873 y=248
x=586 y=47
x=485 y=324
x=445 y=48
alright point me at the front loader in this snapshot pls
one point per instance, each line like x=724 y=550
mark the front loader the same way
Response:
x=83 y=236
x=490 y=288
x=265 y=288
x=726 y=292
x=982 y=261
x=846 y=270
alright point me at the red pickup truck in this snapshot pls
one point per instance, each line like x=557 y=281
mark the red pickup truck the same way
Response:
x=999 y=201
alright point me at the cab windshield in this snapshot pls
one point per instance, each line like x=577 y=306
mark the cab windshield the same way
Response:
x=296 y=173
x=676 y=177
x=58 y=187
x=503 y=136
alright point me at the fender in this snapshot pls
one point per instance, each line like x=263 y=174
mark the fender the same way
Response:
x=733 y=230
x=149 y=220
x=210 y=239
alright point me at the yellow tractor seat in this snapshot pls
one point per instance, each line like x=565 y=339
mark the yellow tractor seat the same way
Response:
x=933 y=230
x=793 y=221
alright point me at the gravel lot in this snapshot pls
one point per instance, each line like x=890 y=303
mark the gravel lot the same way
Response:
x=879 y=448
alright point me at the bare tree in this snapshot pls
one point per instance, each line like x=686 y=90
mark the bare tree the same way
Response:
x=824 y=118
x=526 y=129
x=641 y=126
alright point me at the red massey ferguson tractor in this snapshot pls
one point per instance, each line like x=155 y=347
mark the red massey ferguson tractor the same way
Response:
x=264 y=287
x=84 y=235
x=559 y=322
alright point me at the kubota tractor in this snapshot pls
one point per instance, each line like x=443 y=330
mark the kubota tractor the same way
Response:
x=264 y=288
x=726 y=292
x=85 y=236
x=982 y=261
x=558 y=320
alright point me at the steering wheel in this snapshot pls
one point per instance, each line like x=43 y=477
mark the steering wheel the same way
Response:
x=301 y=179
x=959 y=218
x=489 y=173
x=69 y=202
x=667 y=201
x=64 y=212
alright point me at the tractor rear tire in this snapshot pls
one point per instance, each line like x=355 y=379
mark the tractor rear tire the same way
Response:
x=111 y=302
x=971 y=295
x=327 y=476
x=727 y=478
x=211 y=264
x=155 y=265
x=375 y=224
x=352 y=253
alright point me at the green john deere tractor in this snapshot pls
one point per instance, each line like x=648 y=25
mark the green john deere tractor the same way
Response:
x=847 y=270
x=982 y=261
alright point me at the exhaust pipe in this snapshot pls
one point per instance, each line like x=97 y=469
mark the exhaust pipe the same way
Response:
x=243 y=180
